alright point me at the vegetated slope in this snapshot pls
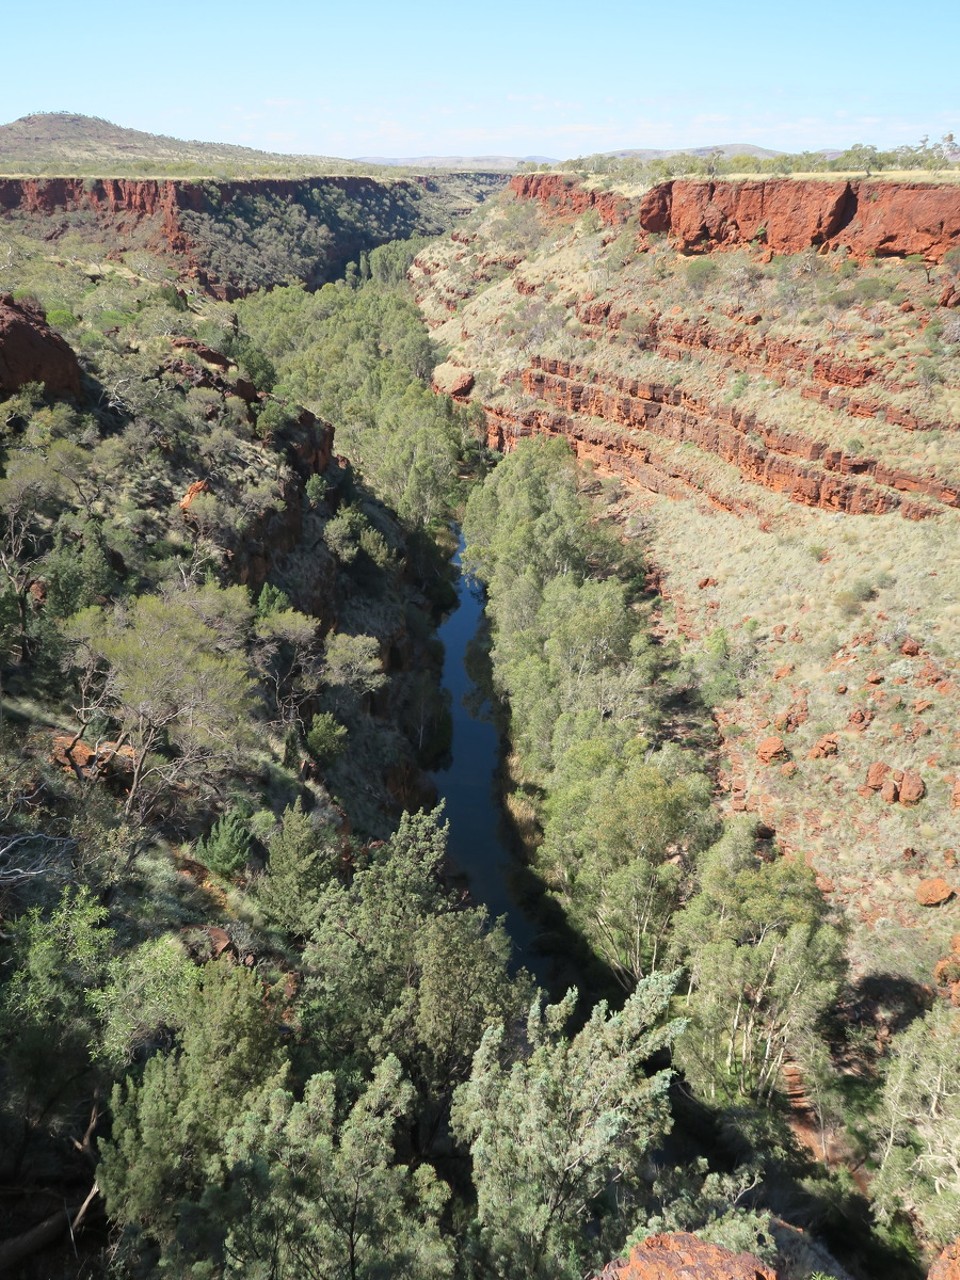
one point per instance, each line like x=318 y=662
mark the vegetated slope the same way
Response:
x=61 y=142
x=216 y=651
x=230 y=237
x=216 y=659
x=772 y=373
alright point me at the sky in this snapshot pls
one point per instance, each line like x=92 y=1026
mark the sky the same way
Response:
x=553 y=79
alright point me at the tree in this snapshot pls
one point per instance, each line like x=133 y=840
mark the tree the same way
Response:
x=549 y=1133
x=288 y=660
x=358 y=987
x=527 y=516
x=315 y=1190
x=394 y=965
x=859 y=156
x=619 y=838
x=227 y=848
x=764 y=965
x=353 y=664
x=327 y=737
x=180 y=699
x=170 y=1125
x=27 y=493
x=303 y=859
x=918 y=1127
x=143 y=999
x=48 y=1027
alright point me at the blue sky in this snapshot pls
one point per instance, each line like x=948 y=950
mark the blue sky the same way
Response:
x=555 y=79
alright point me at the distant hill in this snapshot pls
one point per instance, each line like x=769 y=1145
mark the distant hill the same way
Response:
x=724 y=149
x=471 y=163
x=62 y=144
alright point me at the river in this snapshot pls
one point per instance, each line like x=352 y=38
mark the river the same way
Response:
x=479 y=841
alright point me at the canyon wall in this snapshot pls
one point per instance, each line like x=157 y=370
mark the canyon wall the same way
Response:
x=785 y=215
x=845 y=419
x=803 y=470
x=230 y=237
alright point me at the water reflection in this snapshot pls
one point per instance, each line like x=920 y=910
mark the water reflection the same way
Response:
x=479 y=847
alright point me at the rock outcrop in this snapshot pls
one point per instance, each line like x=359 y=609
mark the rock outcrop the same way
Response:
x=453 y=380
x=338 y=217
x=947 y=1266
x=30 y=351
x=869 y=218
x=803 y=470
x=682 y=1256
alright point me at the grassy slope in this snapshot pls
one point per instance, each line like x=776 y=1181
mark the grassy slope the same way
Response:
x=60 y=144
x=811 y=600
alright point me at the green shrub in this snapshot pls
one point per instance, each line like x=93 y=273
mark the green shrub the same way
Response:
x=701 y=272
x=62 y=318
x=316 y=490
x=227 y=847
x=326 y=738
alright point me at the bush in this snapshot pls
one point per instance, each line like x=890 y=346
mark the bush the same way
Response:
x=701 y=272
x=316 y=490
x=61 y=318
x=326 y=738
x=227 y=847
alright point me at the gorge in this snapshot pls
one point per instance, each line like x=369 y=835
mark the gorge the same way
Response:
x=725 y=646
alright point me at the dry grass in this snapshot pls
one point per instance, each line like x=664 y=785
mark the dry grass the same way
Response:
x=945 y=177
x=820 y=307
x=780 y=580
x=823 y=600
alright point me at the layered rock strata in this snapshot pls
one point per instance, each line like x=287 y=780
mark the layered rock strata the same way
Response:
x=602 y=419
x=868 y=218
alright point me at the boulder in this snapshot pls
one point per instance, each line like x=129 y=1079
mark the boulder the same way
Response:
x=682 y=1256
x=910 y=647
x=770 y=750
x=890 y=790
x=876 y=775
x=828 y=745
x=193 y=491
x=452 y=380
x=912 y=788
x=795 y=715
x=207 y=354
x=30 y=351
x=933 y=893
x=219 y=940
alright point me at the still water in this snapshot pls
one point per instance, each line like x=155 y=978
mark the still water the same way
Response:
x=479 y=843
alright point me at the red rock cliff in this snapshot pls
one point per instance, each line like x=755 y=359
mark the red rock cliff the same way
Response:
x=566 y=195
x=156 y=205
x=30 y=351
x=891 y=219
x=947 y=1266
